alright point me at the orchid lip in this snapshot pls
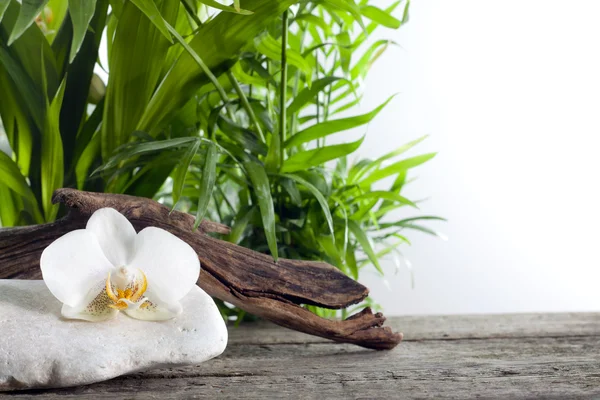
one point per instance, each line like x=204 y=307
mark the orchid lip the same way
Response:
x=131 y=296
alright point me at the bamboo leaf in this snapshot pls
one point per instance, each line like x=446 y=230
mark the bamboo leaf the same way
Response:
x=52 y=162
x=81 y=12
x=134 y=72
x=191 y=11
x=344 y=42
x=308 y=94
x=3 y=6
x=27 y=88
x=373 y=25
x=274 y=153
x=318 y=195
x=149 y=8
x=348 y=6
x=246 y=78
x=358 y=170
x=405 y=15
x=86 y=159
x=240 y=223
x=135 y=149
x=314 y=20
x=365 y=211
x=262 y=189
x=243 y=136
x=383 y=195
x=342 y=207
x=396 y=168
x=363 y=65
x=365 y=243
x=18 y=123
x=88 y=130
x=81 y=81
x=243 y=99
x=200 y=63
x=184 y=79
x=26 y=50
x=328 y=245
x=381 y=17
x=8 y=208
x=217 y=5
x=29 y=10
x=408 y=222
x=424 y=230
x=327 y=128
x=16 y=209
x=23 y=64
x=292 y=189
x=400 y=150
x=271 y=48
x=307 y=159
x=151 y=175
x=87 y=148
x=182 y=169
x=399 y=181
x=351 y=262
x=11 y=177
x=52 y=17
x=207 y=183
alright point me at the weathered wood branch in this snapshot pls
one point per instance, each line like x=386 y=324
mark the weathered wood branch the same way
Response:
x=243 y=277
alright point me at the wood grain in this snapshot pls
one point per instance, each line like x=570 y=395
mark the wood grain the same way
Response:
x=550 y=356
x=248 y=279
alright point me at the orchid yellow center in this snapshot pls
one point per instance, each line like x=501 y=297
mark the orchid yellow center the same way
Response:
x=131 y=296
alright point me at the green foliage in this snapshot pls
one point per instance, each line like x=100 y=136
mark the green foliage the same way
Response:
x=81 y=13
x=222 y=111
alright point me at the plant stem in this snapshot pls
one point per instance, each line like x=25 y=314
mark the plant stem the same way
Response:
x=245 y=104
x=283 y=83
x=316 y=78
x=326 y=116
x=294 y=124
x=204 y=68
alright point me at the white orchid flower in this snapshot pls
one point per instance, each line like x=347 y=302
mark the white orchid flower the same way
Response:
x=106 y=268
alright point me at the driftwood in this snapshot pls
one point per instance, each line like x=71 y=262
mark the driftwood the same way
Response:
x=243 y=277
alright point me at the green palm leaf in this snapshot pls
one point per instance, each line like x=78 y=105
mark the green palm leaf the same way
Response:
x=262 y=189
x=327 y=128
x=81 y=13
x=29 y=10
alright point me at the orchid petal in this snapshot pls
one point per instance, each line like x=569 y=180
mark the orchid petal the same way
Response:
x=94 y=307
x=170 y=264
x=115 y=234
x=72 y=264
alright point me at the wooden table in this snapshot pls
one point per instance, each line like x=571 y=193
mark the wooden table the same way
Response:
x=499 y=356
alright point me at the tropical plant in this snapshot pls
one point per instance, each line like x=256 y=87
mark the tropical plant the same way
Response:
x=223 y=111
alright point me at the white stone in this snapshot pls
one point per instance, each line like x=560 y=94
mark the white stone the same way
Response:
x=39 y=348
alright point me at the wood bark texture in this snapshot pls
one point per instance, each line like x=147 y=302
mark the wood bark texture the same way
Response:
x=248 y=279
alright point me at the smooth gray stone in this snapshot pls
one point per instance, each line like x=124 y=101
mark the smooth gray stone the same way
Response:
x=41 y=349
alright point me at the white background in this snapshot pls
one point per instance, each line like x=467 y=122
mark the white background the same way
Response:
x=509 y=92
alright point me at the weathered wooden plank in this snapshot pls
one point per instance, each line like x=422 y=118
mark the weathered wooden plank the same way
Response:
x=553 y=356
x=446 y=327
x=515 y=368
